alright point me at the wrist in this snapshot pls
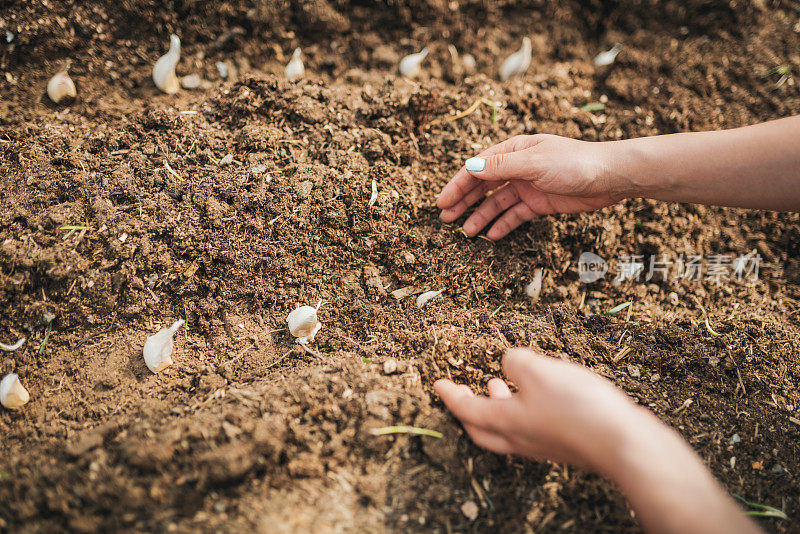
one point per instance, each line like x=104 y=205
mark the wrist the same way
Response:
x=628 y=170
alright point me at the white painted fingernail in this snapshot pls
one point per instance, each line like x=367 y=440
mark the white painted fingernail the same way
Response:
x=475 y=164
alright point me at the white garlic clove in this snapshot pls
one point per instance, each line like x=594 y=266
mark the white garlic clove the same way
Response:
x=426 y=297
x=303 y=323
x=410 y=65
x=534 y=288
x=517 y=63
x=164 y=70
x=12 y=347
x=192 y=81
x=603 y=59
x=61 y=87
x=158 y=348
x=13 y=394
x=295 y=69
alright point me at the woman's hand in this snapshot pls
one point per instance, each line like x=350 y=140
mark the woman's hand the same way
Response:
x=526 y=176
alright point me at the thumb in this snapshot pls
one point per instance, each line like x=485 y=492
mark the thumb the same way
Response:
x=518 y=165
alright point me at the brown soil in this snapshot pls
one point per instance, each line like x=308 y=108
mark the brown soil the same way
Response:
x=247 y=430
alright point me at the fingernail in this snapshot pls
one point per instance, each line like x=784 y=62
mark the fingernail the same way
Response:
x=475 y=164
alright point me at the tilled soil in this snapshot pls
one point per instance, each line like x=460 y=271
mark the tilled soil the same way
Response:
x=248 y=429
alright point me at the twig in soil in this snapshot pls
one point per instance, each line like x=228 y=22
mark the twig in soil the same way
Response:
x=46 y=337
x=618 y=308
x=402 y=429
x=72 y=230
x=172 y=171
x=705 y=319
x=763 y=510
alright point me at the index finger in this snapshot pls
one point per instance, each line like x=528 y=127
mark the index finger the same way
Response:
x=463 y=182
x=470 y=409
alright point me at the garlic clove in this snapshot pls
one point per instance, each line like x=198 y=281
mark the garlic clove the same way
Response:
x=61 y=87
x=12 y=347
x=410 y=65
x=295 y=69
x=164 y=70
x=603 y=59
x=426 y=297
x=13 y=394
x=517 y=63
x=303 y=323
x=158 y=348
x=534 y=287
x=192 y=81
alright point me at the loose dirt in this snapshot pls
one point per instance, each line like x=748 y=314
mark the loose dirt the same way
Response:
x=248 y=430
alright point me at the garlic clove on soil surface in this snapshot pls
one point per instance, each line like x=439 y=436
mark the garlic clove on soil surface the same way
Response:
x=13 y=394
x=608 y=57
x=517 y=63
x=158 y=348
x=426 y=297
x=295 y=69
x=303 y=323
x=164 y=70
x=410 y=65
x=61 y=87
x=534 y=287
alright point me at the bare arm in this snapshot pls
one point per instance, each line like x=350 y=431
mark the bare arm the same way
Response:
x=752 y=167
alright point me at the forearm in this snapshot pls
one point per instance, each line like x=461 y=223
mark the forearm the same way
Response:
x=668 y=486
x=754 y=167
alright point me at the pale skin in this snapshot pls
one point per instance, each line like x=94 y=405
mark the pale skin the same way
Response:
x=532 y=175
x=563 y=412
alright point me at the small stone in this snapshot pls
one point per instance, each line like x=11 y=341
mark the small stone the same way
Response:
x=303 y=189
x=634 y=371
x=470 y=510
x=713 y=361
x=227 y=160
x=655 y=377
x=390 y=366
x=735 y=439
x=777 y=469
x=673 y=298
x=192 y=81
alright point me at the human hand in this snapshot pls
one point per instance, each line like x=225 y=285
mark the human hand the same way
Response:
x=562 y=411
x=565 y=413
x=530 y=175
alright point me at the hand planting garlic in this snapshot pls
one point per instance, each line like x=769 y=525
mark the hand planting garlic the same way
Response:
x=164 y=70
x=426 y=297
x=517 y=63
x=303 y=323
x=608 y=57
x=295 y=69
x=410 y=65
x=61 y=87
x=13 y=394
x=158 y=348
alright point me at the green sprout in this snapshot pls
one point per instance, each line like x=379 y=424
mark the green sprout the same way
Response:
x=780 y=69
x=618 y=308
x=762 y=510
x=593 y=106
x=72 y=230
x=46 y=337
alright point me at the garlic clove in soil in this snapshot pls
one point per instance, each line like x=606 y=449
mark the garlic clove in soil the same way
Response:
x=426 y=297
x=303 y=323
x=61 y=87
x=13 y=394
x=295 y=69
x=534 y=287
x=158 y=348
x=608 y=57
x=517 y=63
x=410 y=65
x=164 y=70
